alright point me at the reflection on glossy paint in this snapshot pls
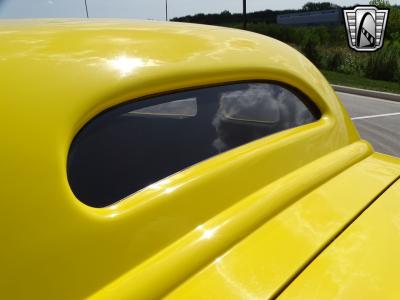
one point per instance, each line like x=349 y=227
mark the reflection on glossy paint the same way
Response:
x=218 y=260
x=113 y=215
x=126 y=65
x=170 y=189
x=159 y=185
x=236 y=285
x=113 y=207
x=206 y=233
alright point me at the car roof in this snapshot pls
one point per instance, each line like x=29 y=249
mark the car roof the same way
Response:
x=69 y=70
x=82 y=64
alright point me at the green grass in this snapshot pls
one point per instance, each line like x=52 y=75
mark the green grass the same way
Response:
x=361 y=82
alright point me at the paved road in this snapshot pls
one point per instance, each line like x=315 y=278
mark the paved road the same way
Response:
x=378 y=121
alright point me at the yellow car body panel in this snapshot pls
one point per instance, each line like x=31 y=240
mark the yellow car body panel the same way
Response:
x=57 y=75
x=363 y=262
x=262 y=264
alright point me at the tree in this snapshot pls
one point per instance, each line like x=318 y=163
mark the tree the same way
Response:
x=312 y=6
x=311 y=42
x=393 y=22
x=380 y=3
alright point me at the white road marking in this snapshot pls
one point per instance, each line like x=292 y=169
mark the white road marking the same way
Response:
x=376 y=116
x=368 y=98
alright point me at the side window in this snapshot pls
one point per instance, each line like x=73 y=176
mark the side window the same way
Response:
x=136 y=144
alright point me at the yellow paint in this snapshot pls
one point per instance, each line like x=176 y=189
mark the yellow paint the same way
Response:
x=259 y=265
x=363 y=262
x=58 y=74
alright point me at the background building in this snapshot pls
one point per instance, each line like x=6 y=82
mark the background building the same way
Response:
x=322 y=17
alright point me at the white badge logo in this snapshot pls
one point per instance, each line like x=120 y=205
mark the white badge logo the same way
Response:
x=365 y=27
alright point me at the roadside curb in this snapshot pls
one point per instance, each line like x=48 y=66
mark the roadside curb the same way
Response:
x=368 y=93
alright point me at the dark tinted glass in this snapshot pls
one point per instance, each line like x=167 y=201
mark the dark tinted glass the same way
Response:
x=133 y=145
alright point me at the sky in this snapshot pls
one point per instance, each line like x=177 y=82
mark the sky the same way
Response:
x=142 y=9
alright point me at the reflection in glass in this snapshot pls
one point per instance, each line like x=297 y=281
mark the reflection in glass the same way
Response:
x=254 y=104
x=137 y=144
x=174 y=109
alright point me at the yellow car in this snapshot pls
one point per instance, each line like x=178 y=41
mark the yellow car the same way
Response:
x=146 y=160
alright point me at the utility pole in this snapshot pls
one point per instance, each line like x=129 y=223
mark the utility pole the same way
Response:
x=166 y=10
x=87 y=12
x=244 y=15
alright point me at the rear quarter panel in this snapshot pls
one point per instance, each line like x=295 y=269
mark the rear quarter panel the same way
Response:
x=363 y=262
x=263 y=262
